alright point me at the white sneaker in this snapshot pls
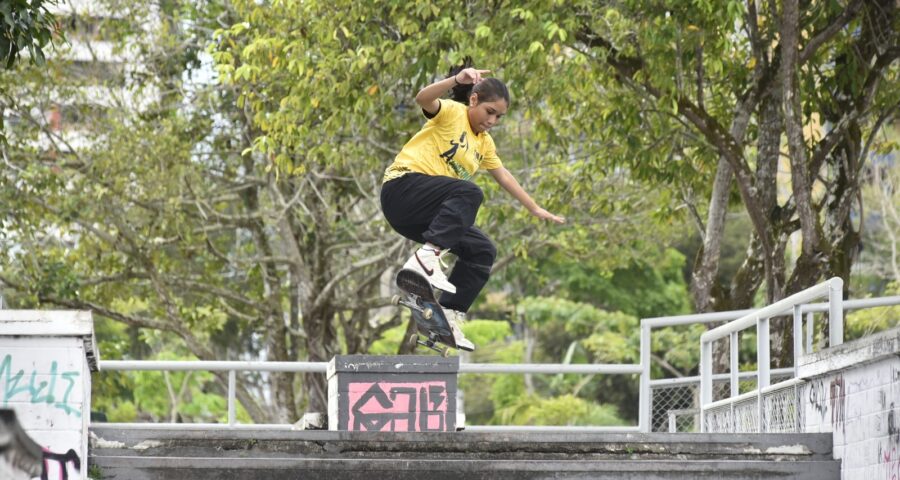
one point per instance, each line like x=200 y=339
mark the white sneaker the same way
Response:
x=427 y=261
x=456 y=319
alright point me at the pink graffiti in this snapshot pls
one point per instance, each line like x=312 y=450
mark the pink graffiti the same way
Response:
x=62 y=460
x=891 y=464
x=398 y=407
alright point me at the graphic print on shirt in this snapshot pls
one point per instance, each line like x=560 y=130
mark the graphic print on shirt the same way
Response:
x=449 y=154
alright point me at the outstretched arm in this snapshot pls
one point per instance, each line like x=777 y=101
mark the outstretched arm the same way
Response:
x=427 y=98
x=509 y=183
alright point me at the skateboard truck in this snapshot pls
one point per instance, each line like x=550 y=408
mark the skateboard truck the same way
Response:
x=431 y=343
x=426 y=312
x=433 y=329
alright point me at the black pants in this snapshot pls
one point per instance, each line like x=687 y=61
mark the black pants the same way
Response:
x=442 y=210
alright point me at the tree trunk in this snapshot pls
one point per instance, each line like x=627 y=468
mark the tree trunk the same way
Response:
x=793 y=120
x=321 y=346
x=706 y=295
x=703 y=278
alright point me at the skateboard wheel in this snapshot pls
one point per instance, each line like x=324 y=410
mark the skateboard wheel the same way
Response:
x=428 y=313
x=395 y=300
x=413 y=340
x=445 y=352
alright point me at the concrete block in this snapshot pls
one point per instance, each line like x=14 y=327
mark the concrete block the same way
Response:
x=46 y=359
x=410 y=393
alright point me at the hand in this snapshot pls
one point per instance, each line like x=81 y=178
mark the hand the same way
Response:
x=469 y=75
x=545 y=215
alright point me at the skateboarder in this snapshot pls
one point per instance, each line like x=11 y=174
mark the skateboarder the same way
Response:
x=428 y=195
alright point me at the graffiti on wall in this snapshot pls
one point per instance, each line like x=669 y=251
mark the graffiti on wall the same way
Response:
x=23 y=454
x=838 y=397
x=893 y=424
x=25 y=387
x=61 y=461
x=398 y=407
x=890 y=463
x=817 y=397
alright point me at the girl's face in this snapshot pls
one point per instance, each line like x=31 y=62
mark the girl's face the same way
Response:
x=484 y=115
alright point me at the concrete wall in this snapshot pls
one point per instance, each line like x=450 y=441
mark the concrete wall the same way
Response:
x=853 y=391
x=46 y=360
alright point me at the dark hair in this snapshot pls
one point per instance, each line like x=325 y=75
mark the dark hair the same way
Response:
x=488 y=90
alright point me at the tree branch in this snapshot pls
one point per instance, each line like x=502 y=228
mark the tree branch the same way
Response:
x=830 y=31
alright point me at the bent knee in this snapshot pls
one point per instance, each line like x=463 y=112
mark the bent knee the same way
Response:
x=472 y=192
x=485 y=255
x=491 y=252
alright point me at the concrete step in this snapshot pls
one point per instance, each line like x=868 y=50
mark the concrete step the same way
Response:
x=174 y=454
x=181 y=468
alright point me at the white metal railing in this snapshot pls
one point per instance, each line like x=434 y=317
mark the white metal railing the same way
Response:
x=648 y=385
x=833 y=289
x=232 y=367
x=797 y=304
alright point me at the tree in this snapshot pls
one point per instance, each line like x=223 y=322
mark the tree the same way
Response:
x=749 y=88
x=699 y=97
x=133 y=224
x=239 y=218
x=25 y=25
x=881 y=230
x=329 y=89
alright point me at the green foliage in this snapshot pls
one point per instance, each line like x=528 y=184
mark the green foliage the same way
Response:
x=390 y=341
x=562 y=410
x=238 y=216
x=610 y=337
x=486 y=332
x=865 y=322
x=679 y=347
x=26 y=26
x=483 y=392
x=651 y=286
x=505 y=389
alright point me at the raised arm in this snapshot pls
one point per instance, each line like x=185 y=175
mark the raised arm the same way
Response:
x=511 y=185
x=427 y=98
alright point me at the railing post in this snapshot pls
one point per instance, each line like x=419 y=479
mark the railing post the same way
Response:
x=762 y=367
x=232 y=385
x=645 y=400
x=705 y=380
x=735 y=366
x=835 y=312
x=798 y=336
x=810 y=331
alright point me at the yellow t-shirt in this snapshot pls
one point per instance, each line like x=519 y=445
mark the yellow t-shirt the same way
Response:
x=446 y=146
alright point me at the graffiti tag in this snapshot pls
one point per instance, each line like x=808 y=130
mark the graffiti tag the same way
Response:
x=28 y=388
x=817 y=398
x=838 y=397
x=62 y=460
x=398 y=407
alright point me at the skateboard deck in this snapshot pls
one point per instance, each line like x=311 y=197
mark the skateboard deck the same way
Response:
x=431 y=321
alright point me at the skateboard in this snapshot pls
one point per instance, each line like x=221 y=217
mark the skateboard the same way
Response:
x=431 y=322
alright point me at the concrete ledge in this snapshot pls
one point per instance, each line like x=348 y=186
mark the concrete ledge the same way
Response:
x=138 y=468
x=851 y=354
x=111 y=440
x=392 y=364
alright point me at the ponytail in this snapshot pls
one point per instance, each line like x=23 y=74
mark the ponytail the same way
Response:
x=461 y=91
x=488 y=90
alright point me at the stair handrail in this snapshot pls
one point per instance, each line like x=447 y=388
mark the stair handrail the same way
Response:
x=832 y=288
